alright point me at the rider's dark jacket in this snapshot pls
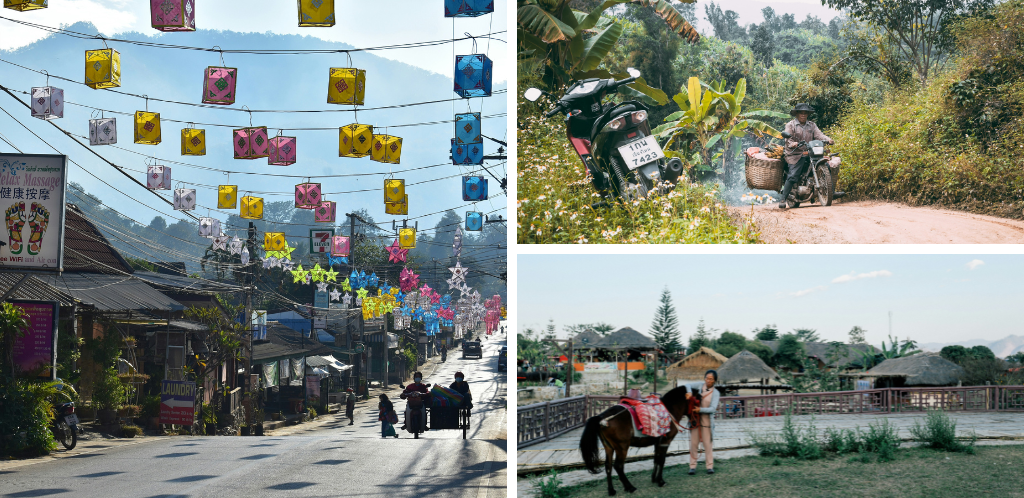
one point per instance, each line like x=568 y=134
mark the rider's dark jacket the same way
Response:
x=418 y=387
x=801 y=133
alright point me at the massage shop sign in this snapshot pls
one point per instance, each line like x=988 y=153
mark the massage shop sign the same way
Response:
x=35 y=352
x=32 y=190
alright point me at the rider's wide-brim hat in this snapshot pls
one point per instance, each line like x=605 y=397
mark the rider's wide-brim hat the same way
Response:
x=801 y=107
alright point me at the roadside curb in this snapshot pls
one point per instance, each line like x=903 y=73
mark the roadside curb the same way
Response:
x=80 y=449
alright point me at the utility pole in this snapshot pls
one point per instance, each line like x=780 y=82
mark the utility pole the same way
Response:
x=249 y=282
x=352 y=217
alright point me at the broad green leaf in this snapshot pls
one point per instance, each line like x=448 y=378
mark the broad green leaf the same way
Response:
x=591 y=20
x=741 y=90
x=693 y=92
x=714 y=140
x=597 y=47
x=666 y=126
x=674 y=116
x=710 y=122
x=528 y=40
x=631 y=91
x=680 y=100
x=673 y=18
x=641 y=86
x=544 y=25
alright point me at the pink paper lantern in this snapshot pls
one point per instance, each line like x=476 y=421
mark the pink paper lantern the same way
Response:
x=251 y=143
x=307 y=195
x=282 y=151
x=219 y=85
x=339 y=246
x=324 y=213
x=173 y=15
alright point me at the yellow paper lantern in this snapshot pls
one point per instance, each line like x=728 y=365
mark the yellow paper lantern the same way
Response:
x=355 y=140
x=193 y=142
x=147 y=127
x=23 y=5
x=394 y=190
x=397 y=207
x=227 y=196
x=274 y=241
x=386 y=149
x=347 y=86
x=316 y=13
x=102 y=68
x=407 y=238
x=252 y=208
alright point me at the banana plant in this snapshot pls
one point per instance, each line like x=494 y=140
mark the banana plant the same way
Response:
x=709 y=115
x=571 y=44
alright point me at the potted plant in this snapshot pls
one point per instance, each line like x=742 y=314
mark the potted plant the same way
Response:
x=130 y=411
x=130 y=430
x=210 y=419
x=257 y=419
x=244 y=429
x=278 y=415
x=108 y=395
x=151 y=411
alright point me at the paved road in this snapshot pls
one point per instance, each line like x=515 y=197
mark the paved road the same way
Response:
x=323 y=458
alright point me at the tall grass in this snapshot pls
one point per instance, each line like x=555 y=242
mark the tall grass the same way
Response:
x=939 y=432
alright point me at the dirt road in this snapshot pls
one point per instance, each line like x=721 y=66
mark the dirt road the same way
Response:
x=873 y=222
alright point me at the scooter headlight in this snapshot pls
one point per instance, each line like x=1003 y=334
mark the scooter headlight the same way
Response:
x=818 y=150
x=616 y=124
x=639 y=117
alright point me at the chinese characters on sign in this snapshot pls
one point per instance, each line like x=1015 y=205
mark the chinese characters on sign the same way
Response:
x=32 y=199
x=36 y=351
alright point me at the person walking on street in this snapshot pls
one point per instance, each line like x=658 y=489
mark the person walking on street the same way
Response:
x=350 y=406
x=387 y=417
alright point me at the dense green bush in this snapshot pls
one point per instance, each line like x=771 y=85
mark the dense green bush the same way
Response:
x=26 y=413
x=880 y=438
x=939 y=432
x=108 y=392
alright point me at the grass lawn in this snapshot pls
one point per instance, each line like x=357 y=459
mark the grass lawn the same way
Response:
x=996 y=471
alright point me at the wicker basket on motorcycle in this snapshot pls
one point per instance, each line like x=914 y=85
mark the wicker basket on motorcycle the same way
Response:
x=764 y=173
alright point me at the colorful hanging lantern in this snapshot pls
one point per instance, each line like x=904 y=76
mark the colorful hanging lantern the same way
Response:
x=219 y=85
x=274 y=241
x=339 y=246
x=474 y=188
x=47 y=102
x=282 y=151
x=401 y=208
x=467 y=128
x=407 y=238
x=474 y=221
x=227 y=196
x=209 y=227
x=316 y=13
x=147 y=128
x=251 y=143
x=184 y=199
x=355 y=140
x=307 y=195
x=386 y=149
x=325 y=212
x=394 y=190
x=158 y=177
x=467 y=8
x=395 y=252
x=193 y=142
x=473 y=76
x=252 y=208
x=346 y=86
x=173 y=15
x=102 y=131
x=102 y=68
x=467 y=153
x=23 y=5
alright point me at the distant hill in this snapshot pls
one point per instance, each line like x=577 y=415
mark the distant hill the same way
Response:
x=1002 y=348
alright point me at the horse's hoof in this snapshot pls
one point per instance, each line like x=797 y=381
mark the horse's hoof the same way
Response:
x=611 y=492
x=662 y=484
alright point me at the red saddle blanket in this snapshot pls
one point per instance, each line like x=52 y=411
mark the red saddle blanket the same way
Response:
x=650 y=416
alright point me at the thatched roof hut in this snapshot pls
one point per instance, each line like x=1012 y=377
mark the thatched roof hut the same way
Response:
x=922 y=369
x=695 y=365
x=627 y=338
x=744 y=367
x=819 y=350
x=586 y=340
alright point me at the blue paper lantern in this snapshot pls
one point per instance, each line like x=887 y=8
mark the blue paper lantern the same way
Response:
x=473 y=75
x=468 y=8
x=467 y=153
x=467 y=128
x=474 y=221
x=474 y=188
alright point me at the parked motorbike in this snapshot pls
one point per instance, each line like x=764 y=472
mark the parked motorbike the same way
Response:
x=614 y=141
x=816 y=181
x=65 y=425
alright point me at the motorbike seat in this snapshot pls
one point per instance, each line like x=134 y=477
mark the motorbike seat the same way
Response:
x=620 y=110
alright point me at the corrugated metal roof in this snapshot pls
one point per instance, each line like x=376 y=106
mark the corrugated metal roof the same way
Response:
x=33 y=289
x=111 y=292
x=268 y=351
x=86 y=249
x=184 y=284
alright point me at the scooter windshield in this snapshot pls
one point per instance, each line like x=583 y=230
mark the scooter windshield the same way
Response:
x=585 y=88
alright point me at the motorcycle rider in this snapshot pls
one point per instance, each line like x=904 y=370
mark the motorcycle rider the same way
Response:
x=798 y=160
x=416 y=386
x=462 y=387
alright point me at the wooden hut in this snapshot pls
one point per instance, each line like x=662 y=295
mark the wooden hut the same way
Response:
x=922 y=369
x=745 y=367
x=695 y=365
x=627 y=338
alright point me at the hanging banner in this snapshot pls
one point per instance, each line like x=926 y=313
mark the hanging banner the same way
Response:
x=35 y=353
x=320 y=241
x=32 y=189
x=312 y=386
x=177 y=402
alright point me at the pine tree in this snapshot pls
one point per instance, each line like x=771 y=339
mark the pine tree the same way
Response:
x=699 y=339
x=665 y=327
x=857 y=335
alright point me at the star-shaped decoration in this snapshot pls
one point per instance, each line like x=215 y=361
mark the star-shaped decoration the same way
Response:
x=335 y=294
x=345 y=285
x=287 y=252
x=362 y=292
x=285 y=264
x=347 y=300
x=220 y=243
x=458 y=271
x=321 y=287
x=273 y=254
x=330 y=275
x=236 y=245
x=268 y=262
x=317 y=273
x=396 y=253
x=300 y=275
x=359 y=302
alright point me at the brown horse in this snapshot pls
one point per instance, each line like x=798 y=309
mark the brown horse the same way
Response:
x=614 y=427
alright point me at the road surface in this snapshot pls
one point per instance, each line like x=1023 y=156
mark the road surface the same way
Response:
x=874 y=222
x=326 y=457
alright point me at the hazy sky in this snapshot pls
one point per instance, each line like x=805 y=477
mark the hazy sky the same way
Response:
x=933 y=298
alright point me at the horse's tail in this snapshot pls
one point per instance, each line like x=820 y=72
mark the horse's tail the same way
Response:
x=589 y=446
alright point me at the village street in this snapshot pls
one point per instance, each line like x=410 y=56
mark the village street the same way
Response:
x=326 y=457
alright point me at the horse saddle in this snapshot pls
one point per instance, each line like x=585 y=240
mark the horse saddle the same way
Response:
x=649 y=415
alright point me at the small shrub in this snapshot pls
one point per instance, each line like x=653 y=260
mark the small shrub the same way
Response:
x=939 y=432
x=791 y=441
x=312 y=413
x=550 y=487
x=882 y=438
x=841 y=441
x=130 y=430
x=130 y=411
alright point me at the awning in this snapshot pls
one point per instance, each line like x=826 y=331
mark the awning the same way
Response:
x=327 y=361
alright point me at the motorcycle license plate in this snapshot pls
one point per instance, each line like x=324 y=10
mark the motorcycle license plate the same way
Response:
x=71 y=419
x=641 y=152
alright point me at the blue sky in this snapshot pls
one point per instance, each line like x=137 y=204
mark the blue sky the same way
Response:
x=933 y=298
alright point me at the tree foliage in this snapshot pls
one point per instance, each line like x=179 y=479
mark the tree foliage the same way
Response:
x=730 y=343
x=857 y=335
x=665 y=327
x=790 y=353
x=767 y=333
x=701 y=338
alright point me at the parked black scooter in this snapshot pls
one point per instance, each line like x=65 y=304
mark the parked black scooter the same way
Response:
x=65 y=425
x=614 y=141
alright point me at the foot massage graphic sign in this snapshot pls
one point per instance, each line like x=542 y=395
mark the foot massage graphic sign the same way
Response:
x=32 y=191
